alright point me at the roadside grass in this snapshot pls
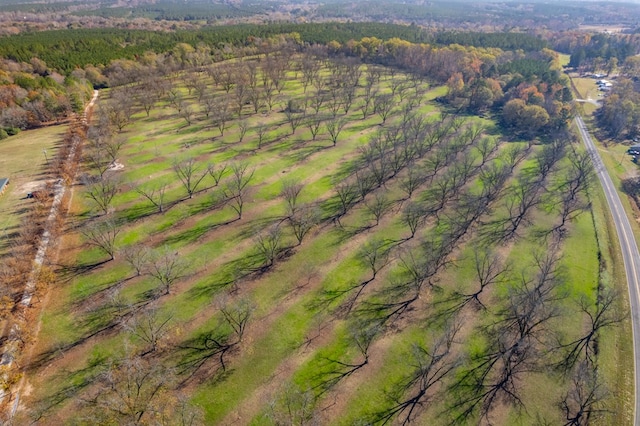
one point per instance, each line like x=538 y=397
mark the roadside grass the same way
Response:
x=587 y=88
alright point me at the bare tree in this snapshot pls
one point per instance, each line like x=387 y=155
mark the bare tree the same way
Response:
x=303 y=220
x=209 y=103
x=222 y=340
x=490 y=269
x=414 y=178
x=216 y=171
x=261 y=132
x=293 y=406
x=102 y=193
x=347 y=197
x=187 y=172
x=155 y=194
x=236 y=189
x=243 y=126
x=413 y=215
x=137 y=256
x=334 y=127
x=186 y=112
x=378 y=207
x=290 y=192
x=313 y=123
x=430 y=366
x=268 y=245
x=600 y=315
x=516 y=342
x=368 y=101
x=332 y=371
x=294 y=118
x=167 y=267
x=119 y=109
x=221 y=115
x=102 y=235
x=131 y=391
x=150 y=325
x=580 y=405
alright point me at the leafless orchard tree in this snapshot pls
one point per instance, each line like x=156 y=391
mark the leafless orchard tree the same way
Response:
x=131 y=391
x=243 y=126
x=431 y=365
x=290 y=192
x=378 y=207
x=225 y=338
x=414 y=178
x=102 y=193
x=150 y=325
x=236 y=189
x=216 y=171
x=102 y=234
x=332 y=371
x=261 y=132
x=190 y=174
x=209 y=103
x=119 y=109
x=383 y=104
x=137 y=256
x=516 y=342
x=155 y=194
x=167 y=267
x=581 y=405
x=303 y=220
x=294 y=118
x=293 y=406
x=221 y=115
x=313 y=123
x=334 y=126
x=601 y=315
x=489 y=270
x=268 y=244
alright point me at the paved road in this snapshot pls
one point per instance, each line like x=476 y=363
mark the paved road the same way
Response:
x=630 y=253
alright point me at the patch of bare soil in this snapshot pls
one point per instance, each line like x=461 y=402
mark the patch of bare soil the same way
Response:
x=115 y=166
x=32 y=186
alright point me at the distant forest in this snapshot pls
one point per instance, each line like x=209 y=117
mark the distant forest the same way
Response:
x=66 y=50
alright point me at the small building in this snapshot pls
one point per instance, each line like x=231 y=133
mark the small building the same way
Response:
x=4 y=182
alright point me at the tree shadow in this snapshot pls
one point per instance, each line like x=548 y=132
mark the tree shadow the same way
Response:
x=68 y=272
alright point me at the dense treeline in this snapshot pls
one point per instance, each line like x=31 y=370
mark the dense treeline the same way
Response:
x=601 y=47
x=176 y=11
x=527 y=90
x=67 y=50
x=31 y=95
x=620 y=112
x=506 y=41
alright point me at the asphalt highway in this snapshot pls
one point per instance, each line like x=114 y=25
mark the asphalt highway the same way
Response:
x=630 y=253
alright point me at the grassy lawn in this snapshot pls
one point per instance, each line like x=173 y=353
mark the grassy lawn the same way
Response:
x=22 y=160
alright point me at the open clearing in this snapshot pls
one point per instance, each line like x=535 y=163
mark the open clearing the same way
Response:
x=22 y=160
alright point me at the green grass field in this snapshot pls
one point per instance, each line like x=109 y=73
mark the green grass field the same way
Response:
x=22 y=160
